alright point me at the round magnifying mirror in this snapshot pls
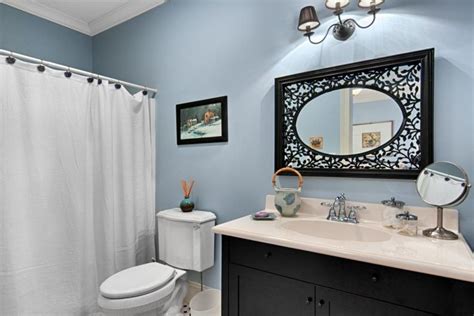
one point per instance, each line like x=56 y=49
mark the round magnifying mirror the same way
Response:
x=442 y=184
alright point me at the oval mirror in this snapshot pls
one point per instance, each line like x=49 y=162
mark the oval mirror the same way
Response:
x=349 y=121
x=443 y=184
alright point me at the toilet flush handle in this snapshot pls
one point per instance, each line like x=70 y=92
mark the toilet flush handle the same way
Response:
x=196 y=226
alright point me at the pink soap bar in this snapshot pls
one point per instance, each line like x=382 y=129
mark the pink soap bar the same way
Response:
x=262 y=214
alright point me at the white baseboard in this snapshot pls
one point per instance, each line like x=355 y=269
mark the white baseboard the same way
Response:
x=193 y=289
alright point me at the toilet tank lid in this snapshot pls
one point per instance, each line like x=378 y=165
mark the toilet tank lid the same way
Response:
x=175 y=214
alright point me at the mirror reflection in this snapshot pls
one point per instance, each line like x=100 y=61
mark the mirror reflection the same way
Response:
x=349 y=121
x=442 y=184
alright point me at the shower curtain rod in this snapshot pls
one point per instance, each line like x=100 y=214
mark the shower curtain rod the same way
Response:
x=74 y=70
x=446 y=175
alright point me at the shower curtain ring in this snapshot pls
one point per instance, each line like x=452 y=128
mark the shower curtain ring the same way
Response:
x=118 y=85
x=145 y=91
x=68 y=73
x=41 y=67
x=99 y=81
x=10 y=59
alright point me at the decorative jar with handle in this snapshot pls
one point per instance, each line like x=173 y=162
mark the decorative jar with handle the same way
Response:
x=287 y=200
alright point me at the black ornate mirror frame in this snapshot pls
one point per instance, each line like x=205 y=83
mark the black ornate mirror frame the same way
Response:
x=407 y=78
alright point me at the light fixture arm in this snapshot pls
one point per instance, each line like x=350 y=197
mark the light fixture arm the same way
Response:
x=374 y=13
x=309 y=34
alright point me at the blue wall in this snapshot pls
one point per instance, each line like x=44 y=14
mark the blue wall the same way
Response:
x=193 y=50
x=30 y=35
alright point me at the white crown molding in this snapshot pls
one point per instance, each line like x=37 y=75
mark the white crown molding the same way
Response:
x=111 y=19
x=122 y=14
x=50 y=14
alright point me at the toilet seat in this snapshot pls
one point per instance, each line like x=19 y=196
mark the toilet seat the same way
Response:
x=152 y=297
x=137 y=281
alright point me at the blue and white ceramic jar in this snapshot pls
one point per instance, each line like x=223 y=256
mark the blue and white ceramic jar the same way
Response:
x=287 y=200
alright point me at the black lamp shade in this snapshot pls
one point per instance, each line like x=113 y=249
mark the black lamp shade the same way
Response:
x=308 y=19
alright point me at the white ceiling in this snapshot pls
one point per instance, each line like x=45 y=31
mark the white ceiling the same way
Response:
x=86 y=16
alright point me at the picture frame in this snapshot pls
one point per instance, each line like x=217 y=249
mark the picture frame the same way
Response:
x=371 y=135
x=316 y=142
x=202 y=121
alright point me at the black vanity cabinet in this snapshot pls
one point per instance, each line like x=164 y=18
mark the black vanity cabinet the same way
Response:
x=261 y=279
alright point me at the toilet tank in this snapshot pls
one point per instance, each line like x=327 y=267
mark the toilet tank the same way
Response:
x=185 y=240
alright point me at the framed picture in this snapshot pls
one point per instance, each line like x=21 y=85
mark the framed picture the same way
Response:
x=203 y=121
x=371 y=135
x=316 y=142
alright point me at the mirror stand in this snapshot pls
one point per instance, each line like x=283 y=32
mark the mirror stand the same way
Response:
x=439 y=232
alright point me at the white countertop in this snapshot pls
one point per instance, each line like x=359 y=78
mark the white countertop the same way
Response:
x=445 y=258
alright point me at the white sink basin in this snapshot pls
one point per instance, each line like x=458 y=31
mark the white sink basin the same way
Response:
x=337 y=231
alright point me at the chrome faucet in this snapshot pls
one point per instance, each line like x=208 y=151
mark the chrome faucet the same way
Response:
x=337 y=210
x=341 y=215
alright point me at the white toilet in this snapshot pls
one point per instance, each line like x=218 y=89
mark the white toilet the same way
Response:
x=185 y=241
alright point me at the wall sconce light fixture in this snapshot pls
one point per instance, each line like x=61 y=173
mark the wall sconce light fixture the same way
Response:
x=342 y=29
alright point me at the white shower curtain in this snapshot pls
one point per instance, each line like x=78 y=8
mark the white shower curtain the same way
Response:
x=76 y=188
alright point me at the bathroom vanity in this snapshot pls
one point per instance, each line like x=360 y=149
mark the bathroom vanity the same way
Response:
x=283 y=267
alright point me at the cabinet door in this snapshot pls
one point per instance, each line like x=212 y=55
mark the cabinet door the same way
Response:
x=257 y=293
x=337 y=303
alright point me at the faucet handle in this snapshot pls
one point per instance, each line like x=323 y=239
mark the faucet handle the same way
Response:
x=329 y=204
x=342 y=197
x=353 y=217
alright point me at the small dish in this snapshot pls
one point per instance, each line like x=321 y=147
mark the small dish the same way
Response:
x=270 y=217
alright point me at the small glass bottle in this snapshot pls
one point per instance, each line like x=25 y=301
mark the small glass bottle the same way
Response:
x=392 y=208
x=407 y=224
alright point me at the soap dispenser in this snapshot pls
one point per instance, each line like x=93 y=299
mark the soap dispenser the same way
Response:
x=392 y=208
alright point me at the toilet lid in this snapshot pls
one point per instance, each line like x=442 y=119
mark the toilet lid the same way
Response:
x=137 y=280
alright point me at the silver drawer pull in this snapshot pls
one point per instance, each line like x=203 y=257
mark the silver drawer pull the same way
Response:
x=374 y=278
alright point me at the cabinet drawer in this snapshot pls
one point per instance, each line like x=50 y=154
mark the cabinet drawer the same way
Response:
x=415 y=290
x=275 y=259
